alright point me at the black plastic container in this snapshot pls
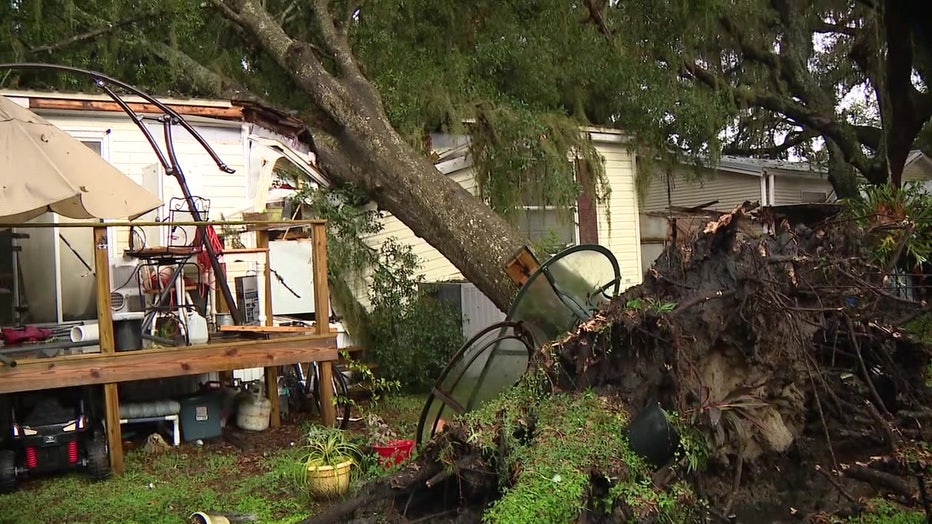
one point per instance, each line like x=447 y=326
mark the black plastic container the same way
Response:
x=127 y=332
x=651 y=436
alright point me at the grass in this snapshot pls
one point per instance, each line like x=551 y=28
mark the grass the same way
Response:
x=169 y=487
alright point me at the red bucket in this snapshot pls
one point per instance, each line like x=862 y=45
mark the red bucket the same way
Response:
x=394 y=452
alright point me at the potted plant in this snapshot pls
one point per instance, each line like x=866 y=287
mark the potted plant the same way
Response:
x=385 y=442
x=327 y=463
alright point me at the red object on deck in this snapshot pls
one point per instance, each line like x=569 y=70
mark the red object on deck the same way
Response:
x=24 y=334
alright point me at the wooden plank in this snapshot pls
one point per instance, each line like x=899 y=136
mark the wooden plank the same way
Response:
x=107 y=347
x=322 y=312
x=102 y=288
x=114 y=434
x=262 y=242
x=219 y=299
x=521 y=266
x=76 y=370
x=274 y=329
x=245 y=250
x=271 y=391
x=229 y=113
x=269 y=224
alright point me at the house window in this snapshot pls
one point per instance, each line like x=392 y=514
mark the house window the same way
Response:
x=95 y=145
x=553 y=228
x=548 y=225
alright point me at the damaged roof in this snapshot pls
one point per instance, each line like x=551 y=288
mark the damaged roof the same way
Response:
x=275 y=120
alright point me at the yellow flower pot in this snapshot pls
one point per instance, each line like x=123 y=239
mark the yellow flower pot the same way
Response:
x=328 y=481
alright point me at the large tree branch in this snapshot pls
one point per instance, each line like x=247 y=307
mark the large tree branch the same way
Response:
x=202 y=78
x=904 y=122
x=796 y=49
x=869 y=136
x=335 y=40
x=792 y=140
x=826 y=125
x=108 y=27
x=294 y=56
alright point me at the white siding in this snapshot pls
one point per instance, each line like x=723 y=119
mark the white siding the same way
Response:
x=787 y=189
x=918 y=171
x=730 y=189
x=127 y=149
x=620 y=232
x=619 y=228
x=434 y=266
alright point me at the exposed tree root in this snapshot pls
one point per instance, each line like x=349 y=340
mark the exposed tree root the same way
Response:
x=781 y=352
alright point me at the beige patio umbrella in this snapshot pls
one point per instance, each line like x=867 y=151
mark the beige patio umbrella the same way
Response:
x=43 y=168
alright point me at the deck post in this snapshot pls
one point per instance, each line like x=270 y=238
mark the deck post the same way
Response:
x=271 y=373
x=322 y=316
x=107 y=346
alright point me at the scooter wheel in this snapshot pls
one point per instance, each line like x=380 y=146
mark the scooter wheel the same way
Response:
x=98 y=459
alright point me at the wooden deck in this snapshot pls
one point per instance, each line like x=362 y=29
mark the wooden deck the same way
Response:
x=102 y=368
x=108 y=368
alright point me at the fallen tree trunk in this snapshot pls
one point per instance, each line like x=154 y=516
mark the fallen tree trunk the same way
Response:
x=773 y=351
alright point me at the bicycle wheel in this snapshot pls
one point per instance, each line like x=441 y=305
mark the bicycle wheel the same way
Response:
x=340 y=395
x=297 y=393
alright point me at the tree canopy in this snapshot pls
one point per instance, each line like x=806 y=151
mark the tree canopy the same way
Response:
x=771 y=78
x=842 y=83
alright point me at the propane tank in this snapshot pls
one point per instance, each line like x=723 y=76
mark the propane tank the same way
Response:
x=253 y=411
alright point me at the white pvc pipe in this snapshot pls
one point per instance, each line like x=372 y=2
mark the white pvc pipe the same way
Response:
x=84 y=333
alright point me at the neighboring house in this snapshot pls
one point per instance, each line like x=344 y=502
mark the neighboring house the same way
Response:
x=918 y=169
x=253 y=140
x=735 y=180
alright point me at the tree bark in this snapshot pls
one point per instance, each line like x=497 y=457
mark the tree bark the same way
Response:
x=367 y=151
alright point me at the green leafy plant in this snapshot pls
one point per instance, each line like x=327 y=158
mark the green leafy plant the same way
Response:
x=408 y=333
x=326 y=446
x=650 y=304
x=411 y=334
x=549 y=245
x=542 y=444
x=693 y=450
x=380 y=433
x=879 y=511
x=899 y=218
x=366 y=379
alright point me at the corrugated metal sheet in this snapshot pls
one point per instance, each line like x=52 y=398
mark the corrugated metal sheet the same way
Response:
x=478 y=311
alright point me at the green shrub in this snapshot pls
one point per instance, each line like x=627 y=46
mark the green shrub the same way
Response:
x=411 y=335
